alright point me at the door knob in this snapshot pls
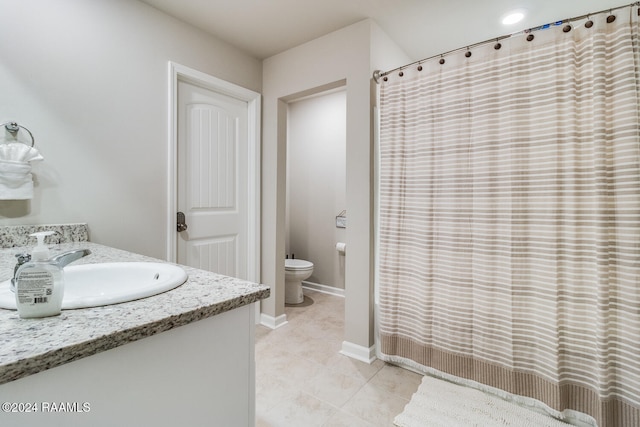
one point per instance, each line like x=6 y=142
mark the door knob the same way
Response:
x=182 y=225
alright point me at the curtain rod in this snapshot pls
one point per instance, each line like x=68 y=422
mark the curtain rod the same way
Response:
x=377 y=73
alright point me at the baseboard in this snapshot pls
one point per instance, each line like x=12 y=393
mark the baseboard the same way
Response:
x=273 y=322
x=323 y=288
x=354 y=351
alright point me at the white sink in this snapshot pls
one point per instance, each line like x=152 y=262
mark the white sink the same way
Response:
x=94 y=285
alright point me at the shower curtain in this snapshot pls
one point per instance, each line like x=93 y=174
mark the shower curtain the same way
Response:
x=509 y=212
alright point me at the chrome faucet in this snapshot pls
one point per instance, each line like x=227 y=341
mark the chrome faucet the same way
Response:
x=62 y=260
x=68 y=257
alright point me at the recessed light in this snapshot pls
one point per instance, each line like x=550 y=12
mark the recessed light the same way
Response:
x=513 y=17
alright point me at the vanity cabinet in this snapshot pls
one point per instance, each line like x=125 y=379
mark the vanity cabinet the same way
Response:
x=201 y=374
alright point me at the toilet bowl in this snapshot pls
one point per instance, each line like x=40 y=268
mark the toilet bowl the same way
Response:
x=295 y=271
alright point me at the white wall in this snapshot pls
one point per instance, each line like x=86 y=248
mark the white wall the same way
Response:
x=339 y=58
x=89 y=79
x=316 y=182
x=317 y=65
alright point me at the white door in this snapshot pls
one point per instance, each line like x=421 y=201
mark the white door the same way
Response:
x=212 y=180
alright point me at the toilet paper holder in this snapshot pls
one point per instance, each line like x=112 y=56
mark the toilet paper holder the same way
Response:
x=341 y=219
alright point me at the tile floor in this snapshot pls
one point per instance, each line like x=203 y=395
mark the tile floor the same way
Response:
x=303 y=380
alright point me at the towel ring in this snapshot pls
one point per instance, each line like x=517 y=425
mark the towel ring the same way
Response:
x=13 y=128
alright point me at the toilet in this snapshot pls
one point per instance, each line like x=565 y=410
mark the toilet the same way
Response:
x=295 y=271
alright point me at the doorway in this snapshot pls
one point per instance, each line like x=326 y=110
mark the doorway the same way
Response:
x=214 y=162
x=316 y=186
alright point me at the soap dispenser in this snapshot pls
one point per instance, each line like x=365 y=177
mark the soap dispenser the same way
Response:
x=39 y=283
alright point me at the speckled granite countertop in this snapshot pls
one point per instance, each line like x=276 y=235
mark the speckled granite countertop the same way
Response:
x=28 y=346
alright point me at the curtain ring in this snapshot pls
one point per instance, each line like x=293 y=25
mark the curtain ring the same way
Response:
x=401 y=73
x=589 y=23
x=566 y=28
x=610 y=18
x=498 y=45
x=442 y=61
x=467 y=53
x=530 y=37
x=420 y=67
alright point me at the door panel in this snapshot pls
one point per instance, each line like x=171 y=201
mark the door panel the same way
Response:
x=219 y=253
x=212 y=137
x=212 y=180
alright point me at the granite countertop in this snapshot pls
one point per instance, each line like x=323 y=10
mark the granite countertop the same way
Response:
x=28 y=346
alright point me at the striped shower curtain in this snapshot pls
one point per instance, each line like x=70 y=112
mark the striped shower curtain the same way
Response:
x=509 y=217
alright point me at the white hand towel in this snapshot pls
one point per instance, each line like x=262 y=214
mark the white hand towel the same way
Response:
x=16 y=180
x=18 y=152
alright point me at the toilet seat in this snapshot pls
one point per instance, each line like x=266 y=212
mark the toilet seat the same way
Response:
x=297 y=264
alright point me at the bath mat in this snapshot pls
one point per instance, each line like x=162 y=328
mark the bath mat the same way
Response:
x=439 y=403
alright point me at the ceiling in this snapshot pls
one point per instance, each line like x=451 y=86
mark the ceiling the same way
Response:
x=423 y=28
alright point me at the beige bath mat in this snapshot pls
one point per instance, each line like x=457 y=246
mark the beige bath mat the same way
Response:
x=439 y=403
